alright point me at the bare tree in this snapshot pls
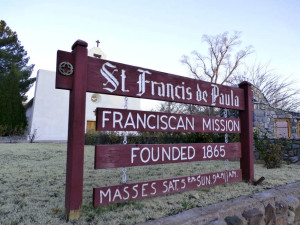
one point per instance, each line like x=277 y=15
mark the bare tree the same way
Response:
x=182 y=108
x=223 y=63
x=278 y=90
x=171 y=107
x=219 y=65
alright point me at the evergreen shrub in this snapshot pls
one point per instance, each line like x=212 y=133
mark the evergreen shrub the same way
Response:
x=269 y=151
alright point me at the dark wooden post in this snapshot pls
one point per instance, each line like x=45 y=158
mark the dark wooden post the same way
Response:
x=246 y=117
x=75 y=149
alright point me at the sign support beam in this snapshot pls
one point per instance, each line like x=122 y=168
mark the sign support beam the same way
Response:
x=75 y=148
x=246 y=136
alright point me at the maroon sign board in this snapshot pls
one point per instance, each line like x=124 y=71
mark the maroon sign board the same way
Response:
x=80 y=74
x=115 y=156
x=134 y=191
x=134 y=120
x=114 y=78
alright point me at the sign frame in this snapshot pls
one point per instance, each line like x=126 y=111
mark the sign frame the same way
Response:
x=78 y=73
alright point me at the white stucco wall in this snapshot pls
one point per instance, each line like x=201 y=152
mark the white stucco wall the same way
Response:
x=108 y=101
x=50 y=109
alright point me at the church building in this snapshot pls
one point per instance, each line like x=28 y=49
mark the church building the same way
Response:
x=47 y=112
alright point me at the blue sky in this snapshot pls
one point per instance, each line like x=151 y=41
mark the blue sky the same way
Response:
x=156 y=33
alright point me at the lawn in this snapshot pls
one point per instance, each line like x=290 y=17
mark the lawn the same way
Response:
x=33 y=178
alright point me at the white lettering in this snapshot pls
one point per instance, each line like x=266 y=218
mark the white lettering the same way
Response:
x=123 y=76
x=165 y=153
x=117 y=195
x=189 y=93
x=154 y=189
x=148 y=152
x=180 y=124
x=133 y=155
x=201 y=95
x=166 y=187
x=129 y=121
x=135 y=190
x=170 y=91
x=214 y=94
x=236 y=101
x=104 y=118
x=142 y=81
x=192 y=125
x=183 y=157
x=115 y=120
x=206 y=125
x=111 y=79
x=172 y=117
x=139 y=120
x=125 y=190
x=148 y=124
x=173 y=153
x=143 y=189
x=105 y=194
x=190 y=148
x=164 y=122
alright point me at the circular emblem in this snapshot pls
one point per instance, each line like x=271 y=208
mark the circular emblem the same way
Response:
x=95 y=98
x=66 y=68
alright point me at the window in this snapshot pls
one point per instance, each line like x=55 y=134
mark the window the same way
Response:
x=91 y=127
x=298 y=127
x=282 y=128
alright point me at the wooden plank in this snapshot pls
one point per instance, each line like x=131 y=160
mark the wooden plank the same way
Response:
x=246 y=137
x=108 y=119
x=75 y=148
x=114 y=156
x=127 y=192
x=61 y=81
x=114 y=78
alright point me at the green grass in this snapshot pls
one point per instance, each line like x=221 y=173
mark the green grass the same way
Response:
x=33 y=178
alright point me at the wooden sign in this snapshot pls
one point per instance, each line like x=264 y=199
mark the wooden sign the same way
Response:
x=114 y=78
x=114 y=156
x=127 y=192
x=134 y=120
x=80 y=74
